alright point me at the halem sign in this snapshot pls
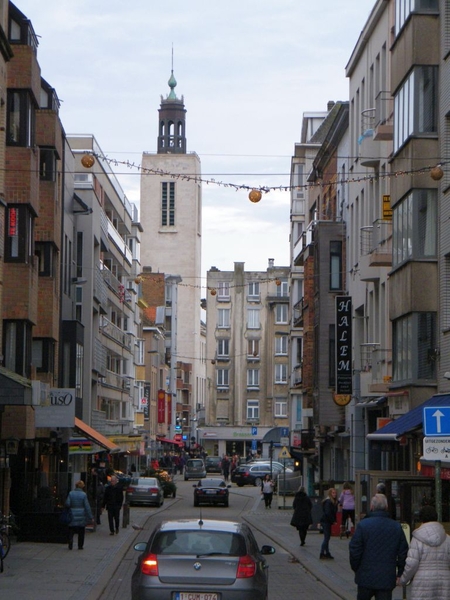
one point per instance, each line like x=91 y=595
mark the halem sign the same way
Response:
x=343 y=345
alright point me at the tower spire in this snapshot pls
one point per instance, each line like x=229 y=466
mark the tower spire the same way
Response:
x=172 y=121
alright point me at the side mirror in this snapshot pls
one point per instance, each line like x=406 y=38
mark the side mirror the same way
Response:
x=267 y=550
x=140 y=546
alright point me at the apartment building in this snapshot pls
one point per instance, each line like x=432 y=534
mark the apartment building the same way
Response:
x=247 y=345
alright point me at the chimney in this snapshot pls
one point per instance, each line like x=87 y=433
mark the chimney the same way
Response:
x=271 y=263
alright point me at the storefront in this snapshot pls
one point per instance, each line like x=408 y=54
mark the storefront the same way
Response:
x=217 y=441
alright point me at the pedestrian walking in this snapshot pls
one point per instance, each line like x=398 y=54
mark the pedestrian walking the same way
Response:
x=113 y=500
x=267 y=486
x=78 y=503
x=347 y=501
x=302 y=517
x=378 y=552
x=428 y=560
x=225 y=465
x=329 y=511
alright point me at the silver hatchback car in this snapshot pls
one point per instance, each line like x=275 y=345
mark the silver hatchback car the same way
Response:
x=194 y=469
x=201 y=559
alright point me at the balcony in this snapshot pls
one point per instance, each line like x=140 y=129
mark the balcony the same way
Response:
x=384 y=117
x=376 y=243
x=376 y=368
x=297 y=376
x=298 y=312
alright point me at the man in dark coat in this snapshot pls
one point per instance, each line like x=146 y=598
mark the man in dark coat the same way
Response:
x=378 y=552
x=302 y=517
x=113 y=500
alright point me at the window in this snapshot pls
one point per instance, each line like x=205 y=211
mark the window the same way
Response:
x=252 y=410
x=168 y=204
x=223 y=290
x=253 y=318
x=403 y=9
x=253 y=378
x=281 y=373
x=223 y=378
x=43 y=355
x=17 y=346
x=415 y=105
x=223 y=348
x=283 y=288
x=281 y=313
x=46 y=254
x=223 y=320
x=19 y=237
x=280 y=408
x=253 y=290
x=253 y=348
x=415 y=227
x=20 y=119
x=414 y=347
x=47 y=164
x=335 y=265
x=281 y=344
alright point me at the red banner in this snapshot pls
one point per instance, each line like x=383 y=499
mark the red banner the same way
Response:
x=161 y=406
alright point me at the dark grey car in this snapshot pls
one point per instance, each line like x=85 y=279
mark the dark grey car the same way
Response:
x=145 y=490
x=201 y=559
x=194 y=469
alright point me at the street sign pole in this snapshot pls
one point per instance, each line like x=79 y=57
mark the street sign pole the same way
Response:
x=438 y=486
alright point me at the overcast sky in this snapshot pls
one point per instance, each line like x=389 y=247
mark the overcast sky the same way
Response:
x=248 y=70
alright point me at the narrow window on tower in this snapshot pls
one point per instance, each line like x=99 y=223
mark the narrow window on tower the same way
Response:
x=168 y=204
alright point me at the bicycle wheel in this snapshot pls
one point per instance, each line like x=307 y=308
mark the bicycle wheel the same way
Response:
x=5 y=543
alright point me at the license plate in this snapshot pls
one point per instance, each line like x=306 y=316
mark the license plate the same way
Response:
x=195 y=596
x=210 y=492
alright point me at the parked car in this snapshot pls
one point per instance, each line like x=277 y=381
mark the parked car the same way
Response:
x=212 y=490
x=203 y=559
x=194 y=469
x=254 y=473
x=145 y=490
x=212 y=464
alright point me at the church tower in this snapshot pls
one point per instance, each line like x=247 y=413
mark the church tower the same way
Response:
x=171 y=217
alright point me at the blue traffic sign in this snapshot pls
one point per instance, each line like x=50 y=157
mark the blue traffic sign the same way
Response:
x=436 y=420
x=254 y=431
x=285 y=432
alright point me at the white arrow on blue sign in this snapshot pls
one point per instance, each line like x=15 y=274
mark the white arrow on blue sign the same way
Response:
x=436 y=420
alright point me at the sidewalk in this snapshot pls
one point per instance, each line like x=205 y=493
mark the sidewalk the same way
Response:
x=34 y=571
x=334 y=574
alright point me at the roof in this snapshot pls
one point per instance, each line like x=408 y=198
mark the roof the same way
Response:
x=210 y=524
x=411 y=420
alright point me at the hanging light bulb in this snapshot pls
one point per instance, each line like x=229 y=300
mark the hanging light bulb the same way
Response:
x=436 y=173
x=87 y=161
x=213 y=292
x=278 y=282
x=255 y=196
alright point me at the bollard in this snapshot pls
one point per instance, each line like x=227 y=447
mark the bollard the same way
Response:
x=125 y=514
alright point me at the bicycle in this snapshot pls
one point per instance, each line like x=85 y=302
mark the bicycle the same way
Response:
x=6 y=524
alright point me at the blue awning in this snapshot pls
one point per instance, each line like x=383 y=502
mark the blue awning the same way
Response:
x=411 y=420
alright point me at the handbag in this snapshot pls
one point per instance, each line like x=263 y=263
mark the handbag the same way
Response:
x=66 y=516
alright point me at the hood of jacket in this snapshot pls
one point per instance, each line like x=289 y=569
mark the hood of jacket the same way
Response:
x=431 y=534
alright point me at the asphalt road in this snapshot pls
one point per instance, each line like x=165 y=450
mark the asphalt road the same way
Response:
x=287 y=577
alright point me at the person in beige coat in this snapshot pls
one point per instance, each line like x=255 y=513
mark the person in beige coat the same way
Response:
x=428 y=561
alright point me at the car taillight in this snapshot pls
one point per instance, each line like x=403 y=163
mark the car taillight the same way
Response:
x=246 y=567
x=153 y=490
x=130 y=490
x=149 y=565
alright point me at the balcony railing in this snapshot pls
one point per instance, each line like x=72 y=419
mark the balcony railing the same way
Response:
x=298 y=312
x=376 y=241
x=377 y=361
x=115 y=333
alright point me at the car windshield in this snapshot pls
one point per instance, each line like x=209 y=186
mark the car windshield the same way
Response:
x=195 y=463
x=212 y=483
x=198 y=543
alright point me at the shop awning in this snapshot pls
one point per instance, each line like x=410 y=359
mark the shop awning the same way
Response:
x=95 y=436
x=372 y=402
x=167 y=441
x=406 y=423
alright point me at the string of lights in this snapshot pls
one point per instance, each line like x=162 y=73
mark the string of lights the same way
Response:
x=255 y=192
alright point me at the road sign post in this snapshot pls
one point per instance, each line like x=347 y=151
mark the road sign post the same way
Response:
x=436 y=424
